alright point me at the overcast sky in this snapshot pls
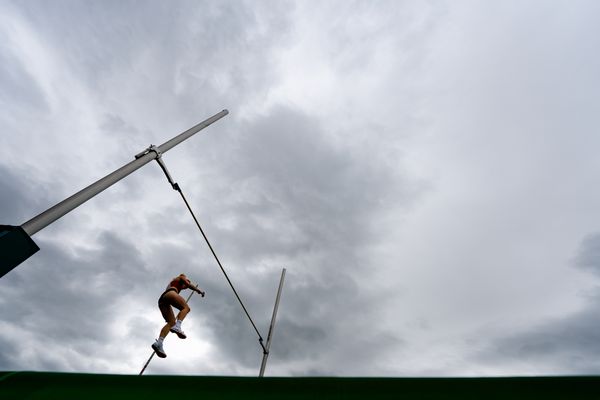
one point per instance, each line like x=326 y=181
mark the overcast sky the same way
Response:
x=427 y=172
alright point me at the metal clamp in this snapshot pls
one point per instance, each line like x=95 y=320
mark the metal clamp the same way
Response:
x=260 y=341
x=158 y=159
x=150 y=149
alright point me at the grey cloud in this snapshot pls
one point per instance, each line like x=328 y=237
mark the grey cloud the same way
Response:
x=190 y=49
x=19 y=89
x=559 y=346
x=321 y=196
x=121 y=131
x=20 y=197
x=69 y=300
x=12 y=197
x=563 y=344
x=588 y=257
x=297 y=341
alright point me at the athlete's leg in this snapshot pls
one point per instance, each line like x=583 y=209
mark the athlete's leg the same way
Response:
x=167 y=313
x=183 y=312
x=179 y=303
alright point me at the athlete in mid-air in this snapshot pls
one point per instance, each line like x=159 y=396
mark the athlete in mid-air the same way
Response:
x=172 y=298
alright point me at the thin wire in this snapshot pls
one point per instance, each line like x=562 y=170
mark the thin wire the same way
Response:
x=153 y=352
x=260 y=339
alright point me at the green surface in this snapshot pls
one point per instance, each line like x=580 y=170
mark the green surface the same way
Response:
x=40 y=385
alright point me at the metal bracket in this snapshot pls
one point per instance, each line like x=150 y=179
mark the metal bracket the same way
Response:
x=158 y=158
x=150 y=149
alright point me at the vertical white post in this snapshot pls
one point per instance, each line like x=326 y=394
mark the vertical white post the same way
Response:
x=271 y=327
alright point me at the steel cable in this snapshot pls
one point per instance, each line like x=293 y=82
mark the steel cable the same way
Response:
x=260 y=339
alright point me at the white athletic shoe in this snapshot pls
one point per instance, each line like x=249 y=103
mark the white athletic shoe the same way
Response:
x=177 y=330
x=158 y=349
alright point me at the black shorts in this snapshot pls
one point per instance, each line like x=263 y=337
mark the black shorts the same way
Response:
x=161 y=299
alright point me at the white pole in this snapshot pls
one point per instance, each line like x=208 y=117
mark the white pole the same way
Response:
x=44 y=219
x=16 y=244
x=263 y=365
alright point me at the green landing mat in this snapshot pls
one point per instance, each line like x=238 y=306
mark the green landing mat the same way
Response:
x=50 y=385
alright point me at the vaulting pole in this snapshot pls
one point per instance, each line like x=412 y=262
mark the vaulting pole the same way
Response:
x=15 y=242
x=263 y=365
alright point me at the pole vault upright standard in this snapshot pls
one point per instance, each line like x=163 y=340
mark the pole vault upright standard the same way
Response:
x=16 y=244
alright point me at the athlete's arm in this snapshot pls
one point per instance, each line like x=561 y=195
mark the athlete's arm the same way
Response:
x=190 y=285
